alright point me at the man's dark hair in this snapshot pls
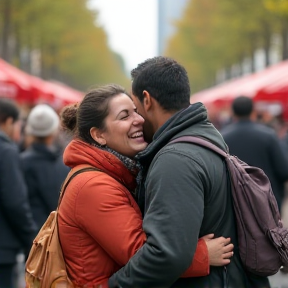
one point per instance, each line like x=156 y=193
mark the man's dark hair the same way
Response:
x=242 y=106
x=8 y=109
x=165 y=80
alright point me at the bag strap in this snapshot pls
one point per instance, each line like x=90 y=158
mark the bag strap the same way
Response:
x=65 y=183
x=201 y=142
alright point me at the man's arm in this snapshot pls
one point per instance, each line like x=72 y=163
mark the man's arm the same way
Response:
x=174 y=212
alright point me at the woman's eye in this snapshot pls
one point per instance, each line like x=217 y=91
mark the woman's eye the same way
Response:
x=124 y=116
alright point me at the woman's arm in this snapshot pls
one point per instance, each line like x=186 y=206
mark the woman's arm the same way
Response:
x=209 y=252
x=111 y=216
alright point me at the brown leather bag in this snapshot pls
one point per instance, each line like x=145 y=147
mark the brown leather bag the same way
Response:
x=45 y=266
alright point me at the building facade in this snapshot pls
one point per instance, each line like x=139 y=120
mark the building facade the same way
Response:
x=168 y=12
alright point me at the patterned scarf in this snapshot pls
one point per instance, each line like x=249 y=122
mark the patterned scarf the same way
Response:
x=132 y=165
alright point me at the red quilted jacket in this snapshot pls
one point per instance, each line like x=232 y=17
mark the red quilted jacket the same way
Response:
x=100 y=224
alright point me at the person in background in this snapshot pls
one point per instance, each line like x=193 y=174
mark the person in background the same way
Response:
x=17 y=226
x=257 y=145
x=185 y=191
x=100 y=224
x=42 y=162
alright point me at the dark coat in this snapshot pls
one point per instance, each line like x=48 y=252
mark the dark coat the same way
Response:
x=44 y=172
x=258 y=145
x=187 y=195
x=17 y=228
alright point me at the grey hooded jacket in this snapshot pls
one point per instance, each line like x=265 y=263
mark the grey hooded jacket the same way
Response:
x=187 y=195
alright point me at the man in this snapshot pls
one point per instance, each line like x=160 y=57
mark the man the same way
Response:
x=42 y=162
x=16 y=224
x=257 y=145
x=184 y=192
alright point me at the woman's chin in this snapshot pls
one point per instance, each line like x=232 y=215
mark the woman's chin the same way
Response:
x=138 y=149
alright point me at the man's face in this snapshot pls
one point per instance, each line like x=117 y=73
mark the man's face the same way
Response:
x=12 y=129
x=148 y=130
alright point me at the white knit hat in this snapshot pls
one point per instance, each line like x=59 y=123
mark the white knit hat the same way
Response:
x=42 y=121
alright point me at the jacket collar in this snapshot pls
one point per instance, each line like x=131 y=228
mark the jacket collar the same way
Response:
x=180 y=121
x=79 y=152
x=50 y=152
x=5 y=137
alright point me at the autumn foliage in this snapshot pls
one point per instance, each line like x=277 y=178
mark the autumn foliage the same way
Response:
x=215 y=35
x=62 y=38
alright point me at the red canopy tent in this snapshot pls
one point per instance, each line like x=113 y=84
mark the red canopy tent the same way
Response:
x=269 y=85
x=61 y=94
x=278 y=88
x=40 y=92
x=276 y=92
x=14 y=83
x=24 y=88
x=54 y=93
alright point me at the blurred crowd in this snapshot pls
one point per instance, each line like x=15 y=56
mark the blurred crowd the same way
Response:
x=247 y=127
x=31 y=174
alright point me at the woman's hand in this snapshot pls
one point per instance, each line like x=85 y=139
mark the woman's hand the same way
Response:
x=219 y=250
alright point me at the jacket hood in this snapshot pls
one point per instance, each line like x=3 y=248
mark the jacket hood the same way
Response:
x=78 y=152
x=191 y=121
x=5 y=137
x=52 y=153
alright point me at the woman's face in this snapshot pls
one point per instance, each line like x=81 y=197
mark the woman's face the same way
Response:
x=124 y=127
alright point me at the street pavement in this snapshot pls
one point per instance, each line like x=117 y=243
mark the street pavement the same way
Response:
x=280 y=280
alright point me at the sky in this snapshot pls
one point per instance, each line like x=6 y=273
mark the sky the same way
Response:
x=131 y=27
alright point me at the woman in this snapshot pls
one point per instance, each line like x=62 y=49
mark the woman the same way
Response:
x=100 y=224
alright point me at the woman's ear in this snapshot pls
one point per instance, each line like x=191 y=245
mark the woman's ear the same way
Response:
x=97 y=135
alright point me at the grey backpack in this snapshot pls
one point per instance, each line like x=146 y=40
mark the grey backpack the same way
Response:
x=263 y=242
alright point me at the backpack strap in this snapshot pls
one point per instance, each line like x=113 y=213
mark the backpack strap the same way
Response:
x=201 y=142
x=67 y=181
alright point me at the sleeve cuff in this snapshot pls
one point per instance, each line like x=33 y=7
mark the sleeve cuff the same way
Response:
x=200 y=264
x=104 y=284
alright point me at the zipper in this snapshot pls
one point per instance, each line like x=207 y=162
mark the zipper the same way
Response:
x=225 y=277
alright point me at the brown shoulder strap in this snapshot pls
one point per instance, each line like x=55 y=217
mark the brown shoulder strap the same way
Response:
x=68 y=180
x=201 y=142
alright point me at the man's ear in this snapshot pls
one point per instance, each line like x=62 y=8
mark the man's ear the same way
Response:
x=147 y=100
x=97 y=135
x=7 y=123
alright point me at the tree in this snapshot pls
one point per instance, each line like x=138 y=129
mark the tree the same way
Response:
x=214 y=35
x=279 y=8
x=72 y=48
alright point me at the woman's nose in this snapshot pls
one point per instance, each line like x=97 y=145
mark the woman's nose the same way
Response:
x=138 y=119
